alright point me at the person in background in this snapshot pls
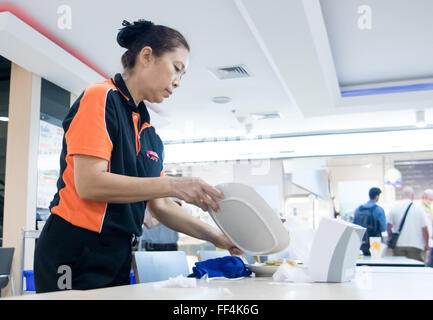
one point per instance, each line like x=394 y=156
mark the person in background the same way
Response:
x=426 y=203
x=413 y=239
x=372 y=217
x=156 y=236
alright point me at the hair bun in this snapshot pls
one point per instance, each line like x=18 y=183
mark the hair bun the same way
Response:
x=129 y=32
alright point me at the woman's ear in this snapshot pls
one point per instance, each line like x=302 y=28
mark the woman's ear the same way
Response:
x=145 y=56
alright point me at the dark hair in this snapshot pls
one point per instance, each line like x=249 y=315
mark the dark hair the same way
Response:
x=374 y=192
x=141 y=33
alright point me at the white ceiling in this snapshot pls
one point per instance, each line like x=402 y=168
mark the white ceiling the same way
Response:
x=397 y=48
x=299 y=53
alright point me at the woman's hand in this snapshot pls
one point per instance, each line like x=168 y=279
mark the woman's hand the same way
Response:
x=220 y=240
x=197 y=192
x=175 y=217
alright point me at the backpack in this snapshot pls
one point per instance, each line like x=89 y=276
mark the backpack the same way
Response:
x=365 y=218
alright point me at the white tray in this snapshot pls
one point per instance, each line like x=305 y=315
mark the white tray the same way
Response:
x=249 y=221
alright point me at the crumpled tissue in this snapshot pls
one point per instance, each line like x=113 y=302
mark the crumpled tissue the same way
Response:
x=178 y=282
x=288 y=273
x=301 y=238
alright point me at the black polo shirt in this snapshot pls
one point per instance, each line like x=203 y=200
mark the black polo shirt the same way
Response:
x=105 y=122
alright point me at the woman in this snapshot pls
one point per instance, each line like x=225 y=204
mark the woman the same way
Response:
x=112 y=170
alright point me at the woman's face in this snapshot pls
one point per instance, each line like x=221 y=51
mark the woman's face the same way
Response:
x=161 y=75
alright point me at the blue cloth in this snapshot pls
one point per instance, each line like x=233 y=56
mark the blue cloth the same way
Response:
x=228 y=267
x=378 y=213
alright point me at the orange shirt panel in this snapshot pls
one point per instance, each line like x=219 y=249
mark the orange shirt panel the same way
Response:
x=87 y=133
x=86 y=214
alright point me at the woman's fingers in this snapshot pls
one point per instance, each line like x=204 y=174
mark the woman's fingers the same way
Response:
x=212 y=196
x=207 y=196
x=235 y=251
x=212 y=203
x=222 y=241
x=206 y=203
x=213 y=192
x=199 y=193
x=202 y=204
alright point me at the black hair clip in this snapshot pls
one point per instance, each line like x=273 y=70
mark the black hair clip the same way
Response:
x=126 y=23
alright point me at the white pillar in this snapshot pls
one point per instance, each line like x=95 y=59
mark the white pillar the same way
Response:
x=21 y=167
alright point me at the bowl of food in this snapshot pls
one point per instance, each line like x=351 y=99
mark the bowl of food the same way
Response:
x=268 y=268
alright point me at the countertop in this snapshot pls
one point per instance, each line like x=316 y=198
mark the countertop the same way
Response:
x=369 y=283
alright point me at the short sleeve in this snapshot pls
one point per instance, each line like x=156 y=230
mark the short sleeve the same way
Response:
x=423 y=218
x=382 y=219
x=390 y=218
x=88 y=133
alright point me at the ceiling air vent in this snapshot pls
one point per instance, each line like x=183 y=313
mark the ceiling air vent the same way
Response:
x=231 y=72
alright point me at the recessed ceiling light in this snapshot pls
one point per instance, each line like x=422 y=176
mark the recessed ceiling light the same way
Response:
x=221 y=99
x=4 y=119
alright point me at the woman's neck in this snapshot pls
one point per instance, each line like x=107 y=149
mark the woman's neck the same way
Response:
x=132 y=83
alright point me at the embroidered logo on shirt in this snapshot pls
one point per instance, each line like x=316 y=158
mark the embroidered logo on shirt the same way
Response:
x=152 y=155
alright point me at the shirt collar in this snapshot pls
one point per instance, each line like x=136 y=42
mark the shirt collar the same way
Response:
x=121 y=86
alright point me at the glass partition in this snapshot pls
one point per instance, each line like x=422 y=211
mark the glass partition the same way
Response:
x=5 y=74
x=55 y=103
